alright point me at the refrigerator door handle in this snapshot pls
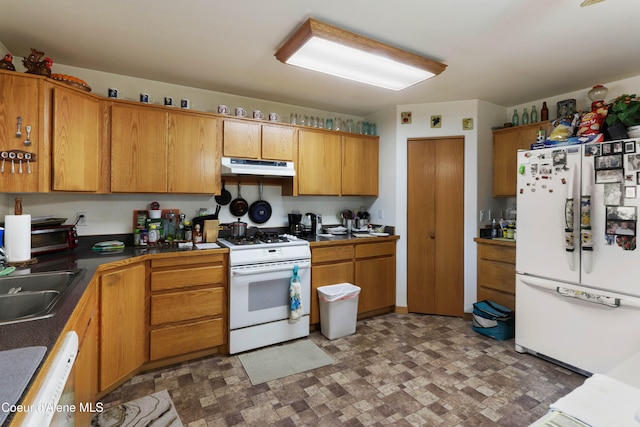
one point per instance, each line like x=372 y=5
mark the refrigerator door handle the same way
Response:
x=585 y=233
x=569 y=212
x=592 y=297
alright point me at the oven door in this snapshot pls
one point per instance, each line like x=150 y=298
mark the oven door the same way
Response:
x=260 y=293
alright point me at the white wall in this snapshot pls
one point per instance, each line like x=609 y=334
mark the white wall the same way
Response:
x=396 y=165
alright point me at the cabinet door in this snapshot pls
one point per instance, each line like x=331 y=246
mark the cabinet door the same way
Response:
x=278 y=142
x=138 y=149
x=122 y=326
x=359 y=166
x=86 y=364
x=324 y=275
x=20 y=96
x=376 y=278
x=506 y=143
x=193 y=162
x=75 y=141
x=319 y=163
x=241 y=139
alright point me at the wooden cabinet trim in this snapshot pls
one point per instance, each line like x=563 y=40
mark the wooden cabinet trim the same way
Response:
x=182 y=339
x=180 y=278
x=187 y=305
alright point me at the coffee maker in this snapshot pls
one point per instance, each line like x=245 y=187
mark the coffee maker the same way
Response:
x=295 y=224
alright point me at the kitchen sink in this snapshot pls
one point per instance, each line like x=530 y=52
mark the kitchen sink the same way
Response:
x=33 y=296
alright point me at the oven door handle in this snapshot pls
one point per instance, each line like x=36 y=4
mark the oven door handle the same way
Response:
x=262 y=270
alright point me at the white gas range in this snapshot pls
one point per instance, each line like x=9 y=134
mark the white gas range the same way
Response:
x=260 y=271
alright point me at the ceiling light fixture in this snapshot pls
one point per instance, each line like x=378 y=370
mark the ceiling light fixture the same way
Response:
x=332 y=50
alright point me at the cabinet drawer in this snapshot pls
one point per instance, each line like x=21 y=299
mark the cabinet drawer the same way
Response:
x=497 y=253
x=334 y=253
x=497 y=275
x=208 y=259
x=180 y=278
x=368 y=250
x=183 y=339
x=186 y=305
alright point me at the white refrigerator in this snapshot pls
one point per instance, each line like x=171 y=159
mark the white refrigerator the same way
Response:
x=577 y=268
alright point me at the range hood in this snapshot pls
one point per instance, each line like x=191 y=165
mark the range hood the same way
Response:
x=235 y=166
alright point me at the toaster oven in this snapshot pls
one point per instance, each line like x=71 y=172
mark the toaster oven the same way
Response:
x=53 y=238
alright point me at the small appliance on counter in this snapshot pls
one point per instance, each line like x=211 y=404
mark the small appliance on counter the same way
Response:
x=295 y=224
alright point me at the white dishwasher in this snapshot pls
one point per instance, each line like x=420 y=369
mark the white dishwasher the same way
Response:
x=54 y=402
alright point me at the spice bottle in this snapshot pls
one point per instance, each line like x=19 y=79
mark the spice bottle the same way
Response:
x=197 y=234
x=188 y=232
x=515 y=120
x=153 y=234
x=544 y=112
x=180 y=229
x=17 y=210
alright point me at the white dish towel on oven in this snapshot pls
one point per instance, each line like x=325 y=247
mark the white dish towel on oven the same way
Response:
x=295 y=291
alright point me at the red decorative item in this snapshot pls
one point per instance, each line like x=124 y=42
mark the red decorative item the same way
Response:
x=7 y=63
x=35 y=65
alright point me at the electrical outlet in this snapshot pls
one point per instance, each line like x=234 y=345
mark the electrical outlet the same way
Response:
x=380 y=213
x=81 y=219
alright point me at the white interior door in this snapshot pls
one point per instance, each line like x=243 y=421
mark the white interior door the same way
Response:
x=546 y=179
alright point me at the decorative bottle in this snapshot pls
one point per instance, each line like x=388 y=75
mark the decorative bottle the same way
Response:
x=544 y=112
x=534 y=114
x=515 y=120
x=525 y=117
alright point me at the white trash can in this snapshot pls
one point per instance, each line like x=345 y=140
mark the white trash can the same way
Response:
x=338 y=309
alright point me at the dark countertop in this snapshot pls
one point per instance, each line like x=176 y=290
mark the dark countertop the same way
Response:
x=45 y=332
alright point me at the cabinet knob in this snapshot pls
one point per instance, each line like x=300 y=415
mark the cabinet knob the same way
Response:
x=432 y=234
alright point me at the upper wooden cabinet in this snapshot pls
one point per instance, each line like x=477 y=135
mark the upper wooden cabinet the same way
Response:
x=330 y=163
x=138 y=149
x=194 y=146
x=75 y=141
x=359 y=165
x=155 y=151
x=318 y=169
x=506 y=143
x=21 y=98
x=254 y=140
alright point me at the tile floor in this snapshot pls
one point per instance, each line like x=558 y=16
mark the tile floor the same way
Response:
x=400 y=370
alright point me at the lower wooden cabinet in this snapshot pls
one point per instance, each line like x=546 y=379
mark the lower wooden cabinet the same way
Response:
x=122 y=323
x=86 y=364
x=188 y=304
x=497 y=272
x=370 y=265
x=376 y=275
x=329 y=266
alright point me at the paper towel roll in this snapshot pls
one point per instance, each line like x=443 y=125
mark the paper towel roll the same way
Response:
x=17 y=237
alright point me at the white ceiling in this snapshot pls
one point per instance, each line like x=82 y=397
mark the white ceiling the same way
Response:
x=506 y=52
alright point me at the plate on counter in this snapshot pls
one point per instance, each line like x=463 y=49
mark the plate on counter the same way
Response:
x=337 y=230
x=379 y=234
x=324 y=235
x=363 y=235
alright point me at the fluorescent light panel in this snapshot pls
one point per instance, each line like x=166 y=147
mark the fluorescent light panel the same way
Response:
x=331 y=50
